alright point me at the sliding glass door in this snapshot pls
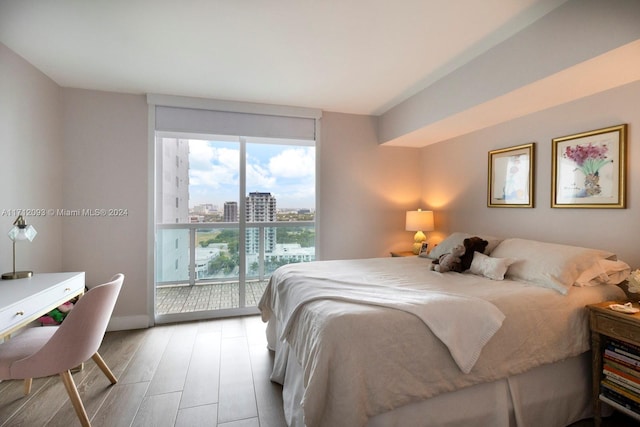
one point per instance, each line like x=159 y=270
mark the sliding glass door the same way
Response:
x=229 y=211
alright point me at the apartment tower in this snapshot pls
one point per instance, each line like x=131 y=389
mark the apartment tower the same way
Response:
x=260 y=207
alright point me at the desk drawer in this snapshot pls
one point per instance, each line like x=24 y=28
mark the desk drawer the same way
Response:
x=29 y=309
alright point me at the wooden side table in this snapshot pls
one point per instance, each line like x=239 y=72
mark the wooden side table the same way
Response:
x=402 y=253
x=606 y=323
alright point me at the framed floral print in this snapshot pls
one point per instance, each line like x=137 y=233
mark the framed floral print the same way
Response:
x=511 y=177
x=589 y=169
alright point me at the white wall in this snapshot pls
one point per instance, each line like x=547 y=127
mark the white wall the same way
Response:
x=74 y=149
x=32 y=163
x=365 y=190
x=455 y=178
x=105 y=167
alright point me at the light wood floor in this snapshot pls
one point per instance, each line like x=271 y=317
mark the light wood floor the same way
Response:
x=209 y=373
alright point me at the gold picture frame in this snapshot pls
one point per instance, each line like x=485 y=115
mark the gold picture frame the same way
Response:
x=589 y=169
x=511 y=179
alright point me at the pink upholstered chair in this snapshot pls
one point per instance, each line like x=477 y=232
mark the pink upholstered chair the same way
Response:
x=28 y=355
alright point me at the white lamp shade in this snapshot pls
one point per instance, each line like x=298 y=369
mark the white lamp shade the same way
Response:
x=25 y=233
x=419 y=220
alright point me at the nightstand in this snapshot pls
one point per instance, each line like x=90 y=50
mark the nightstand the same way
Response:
x=402 y=253
x=617 y=334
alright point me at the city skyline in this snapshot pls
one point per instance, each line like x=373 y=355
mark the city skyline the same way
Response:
x=285 y=171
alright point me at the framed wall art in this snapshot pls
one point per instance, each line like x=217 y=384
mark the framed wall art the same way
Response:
x=511 y=177
x=589 y=169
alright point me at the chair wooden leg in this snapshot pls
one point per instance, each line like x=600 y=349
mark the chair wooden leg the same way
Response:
x=67 y=379
x=103 y=366
x=27 y=385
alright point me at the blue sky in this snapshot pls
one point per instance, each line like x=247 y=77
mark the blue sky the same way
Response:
x=286 y=171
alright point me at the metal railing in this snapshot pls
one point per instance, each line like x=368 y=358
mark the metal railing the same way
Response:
x=180 y=262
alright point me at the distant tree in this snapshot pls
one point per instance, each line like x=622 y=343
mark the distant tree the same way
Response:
x=253 y=269
x=223 y=264
x=302 y=235
x=227 y=236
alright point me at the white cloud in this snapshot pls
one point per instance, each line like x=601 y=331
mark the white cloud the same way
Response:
x=259 y=177
x=301 y=192
x=213 y=167
x=293 y=163
x=200 y=155
x=214 y=174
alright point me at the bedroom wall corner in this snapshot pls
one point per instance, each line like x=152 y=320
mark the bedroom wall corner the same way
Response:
x=31 y=172
x=105 y=167
x=454 y=179
x=364 y=189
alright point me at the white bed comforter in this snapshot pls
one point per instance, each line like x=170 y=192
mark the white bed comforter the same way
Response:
x=361 y=360
x=464 y=324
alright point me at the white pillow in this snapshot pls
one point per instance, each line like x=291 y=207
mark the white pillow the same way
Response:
x=604 y=272
x=548 y=265
x=457 y=238
x=489 y=267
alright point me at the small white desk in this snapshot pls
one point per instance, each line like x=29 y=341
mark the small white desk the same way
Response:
x=24 y=300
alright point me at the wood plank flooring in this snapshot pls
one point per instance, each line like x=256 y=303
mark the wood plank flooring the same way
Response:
x=208 y=373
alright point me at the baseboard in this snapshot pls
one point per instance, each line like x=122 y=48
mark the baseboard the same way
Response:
x=128 y=322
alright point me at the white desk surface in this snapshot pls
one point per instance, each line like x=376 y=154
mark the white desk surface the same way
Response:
x=16 y=290
x=24 y=300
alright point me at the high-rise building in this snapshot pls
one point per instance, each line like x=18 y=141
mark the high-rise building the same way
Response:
x=173 y=182
x=203 y=209
x=173 y=191
x=260 y=207
x=230 y=212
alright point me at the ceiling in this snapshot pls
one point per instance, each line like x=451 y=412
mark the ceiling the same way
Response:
x=354 y=56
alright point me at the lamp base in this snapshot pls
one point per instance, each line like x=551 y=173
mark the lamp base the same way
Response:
x=17 y=275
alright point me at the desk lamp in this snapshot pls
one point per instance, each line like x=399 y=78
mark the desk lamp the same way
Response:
x=19 y=231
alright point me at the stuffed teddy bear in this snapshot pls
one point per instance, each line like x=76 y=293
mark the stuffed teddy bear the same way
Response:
x=471 y=245
x=450 y=261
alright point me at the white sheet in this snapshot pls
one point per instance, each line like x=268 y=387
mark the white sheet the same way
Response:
x=359 y=361
x=464 y=324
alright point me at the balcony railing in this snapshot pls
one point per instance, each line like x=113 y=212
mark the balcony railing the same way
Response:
x=198 y=253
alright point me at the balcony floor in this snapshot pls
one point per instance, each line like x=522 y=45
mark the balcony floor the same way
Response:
x=213 y=296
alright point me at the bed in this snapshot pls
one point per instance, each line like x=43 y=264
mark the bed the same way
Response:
x=387 y=342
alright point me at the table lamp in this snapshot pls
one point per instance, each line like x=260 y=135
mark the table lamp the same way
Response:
x=419 y=221
x=19 y=231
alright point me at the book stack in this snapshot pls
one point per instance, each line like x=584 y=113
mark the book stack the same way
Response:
x=620 y=385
